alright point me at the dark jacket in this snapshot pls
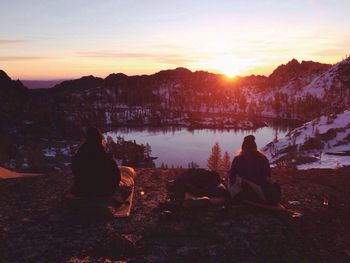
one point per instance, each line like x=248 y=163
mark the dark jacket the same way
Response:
x=252 y=166
x=95 y=171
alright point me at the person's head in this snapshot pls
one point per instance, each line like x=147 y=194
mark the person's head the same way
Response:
x=249 y=144
x=93 y=136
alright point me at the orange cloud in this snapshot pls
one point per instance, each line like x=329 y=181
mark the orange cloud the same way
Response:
x=20 y=58
x=12 y=41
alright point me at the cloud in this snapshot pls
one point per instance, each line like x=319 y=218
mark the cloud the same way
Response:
x=338 y=48
x=21 y=58
x=12 y=41
x=168 y=58
x=338 y=51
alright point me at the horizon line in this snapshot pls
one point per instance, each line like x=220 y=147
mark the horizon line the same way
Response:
x=149 y=74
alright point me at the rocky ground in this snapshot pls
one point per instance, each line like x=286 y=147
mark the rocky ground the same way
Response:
x=36 y=226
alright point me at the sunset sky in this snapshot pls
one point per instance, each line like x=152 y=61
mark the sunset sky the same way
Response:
x=69 y=39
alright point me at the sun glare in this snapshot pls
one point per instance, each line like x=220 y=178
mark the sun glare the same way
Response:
x=230 y=72
x=231 y=67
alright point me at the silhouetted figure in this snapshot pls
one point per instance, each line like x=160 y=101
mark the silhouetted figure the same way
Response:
x=95 y=171
x=250 y=174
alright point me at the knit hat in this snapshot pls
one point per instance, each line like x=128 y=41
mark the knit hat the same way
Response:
x=249 y=143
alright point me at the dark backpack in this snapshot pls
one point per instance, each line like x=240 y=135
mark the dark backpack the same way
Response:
x=196 y=181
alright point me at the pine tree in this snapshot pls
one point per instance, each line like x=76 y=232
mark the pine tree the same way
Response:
x=214 y=160
x=148 y=150
x=225 y=163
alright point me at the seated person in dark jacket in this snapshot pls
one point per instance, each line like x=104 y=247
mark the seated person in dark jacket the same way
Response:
x=95 y=171
x=250 y=173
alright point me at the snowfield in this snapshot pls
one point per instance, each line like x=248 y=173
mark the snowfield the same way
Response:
x=318 y=139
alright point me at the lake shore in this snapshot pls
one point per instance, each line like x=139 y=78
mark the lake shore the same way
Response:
x=35 y=227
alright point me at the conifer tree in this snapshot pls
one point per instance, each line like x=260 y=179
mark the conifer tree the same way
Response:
x=214 y=160
x=225 y=163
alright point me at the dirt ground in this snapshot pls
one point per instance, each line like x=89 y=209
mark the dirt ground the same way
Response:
x=35 y=225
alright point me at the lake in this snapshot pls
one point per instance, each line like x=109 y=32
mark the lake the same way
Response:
x=179 y=146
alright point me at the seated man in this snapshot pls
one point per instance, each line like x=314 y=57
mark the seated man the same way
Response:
x=199 y=187
x=95 y=172
x=250 y=175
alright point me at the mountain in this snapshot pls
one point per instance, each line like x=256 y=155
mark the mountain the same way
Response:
x=295 y=70
x=305 y=97
x=9 y=85
x=295 y=90
x=12 y=99
x=76 y=85
x=321 y=143
x=41 y=84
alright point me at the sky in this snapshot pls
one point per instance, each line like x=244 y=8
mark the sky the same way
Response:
x=63 y=39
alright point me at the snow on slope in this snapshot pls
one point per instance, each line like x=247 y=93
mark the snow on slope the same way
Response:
x=332 y=87
x=325 y=81
x=314 y=141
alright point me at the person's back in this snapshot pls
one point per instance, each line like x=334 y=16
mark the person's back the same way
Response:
x=95 y=172
x=252 y=166
x=250 y=172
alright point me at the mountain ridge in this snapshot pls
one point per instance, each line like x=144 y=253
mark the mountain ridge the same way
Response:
x=182 y=97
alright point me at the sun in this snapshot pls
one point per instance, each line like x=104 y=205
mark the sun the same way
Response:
x=229 y=66
x=230 y=72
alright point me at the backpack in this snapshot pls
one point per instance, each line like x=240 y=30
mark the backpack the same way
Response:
x=197 y=181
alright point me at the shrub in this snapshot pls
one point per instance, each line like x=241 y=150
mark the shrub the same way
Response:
x=329 y=135
x=312 y=143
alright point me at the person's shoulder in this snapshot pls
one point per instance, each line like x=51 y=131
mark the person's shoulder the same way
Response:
x=237 y=158
x=262 y=156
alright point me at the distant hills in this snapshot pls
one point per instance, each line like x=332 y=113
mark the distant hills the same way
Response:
x=41 y=84
x=297 y=90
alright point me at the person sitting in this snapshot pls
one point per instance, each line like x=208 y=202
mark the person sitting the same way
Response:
x=250 y=175
x=95 y=171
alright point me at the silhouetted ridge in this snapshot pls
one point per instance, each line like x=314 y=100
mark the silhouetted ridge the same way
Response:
x=115 y=79
x=83 y=83
x=181 y=97
x=13 y=97
x=173 y=73
x=293 y=69
x=6 y=83
x=4 y=78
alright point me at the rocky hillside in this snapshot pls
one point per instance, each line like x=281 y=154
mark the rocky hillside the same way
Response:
x=294 y=71
x=323 y=142
x=37 y=227
x=13 y=96
x=180 y=97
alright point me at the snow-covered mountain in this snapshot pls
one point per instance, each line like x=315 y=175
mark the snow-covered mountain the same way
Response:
x=321 y=143
x=295 y=90
x=323 y=89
